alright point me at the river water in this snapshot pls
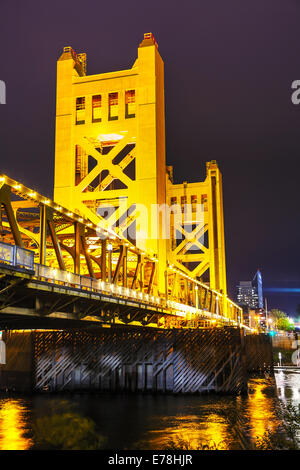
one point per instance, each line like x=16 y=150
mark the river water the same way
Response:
x=144 y=421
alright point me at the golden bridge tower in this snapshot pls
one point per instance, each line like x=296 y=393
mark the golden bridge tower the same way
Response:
x=200 y=250
x=110 y=168
x=110 y=145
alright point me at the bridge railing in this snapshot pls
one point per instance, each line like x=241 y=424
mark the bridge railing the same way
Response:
x=55 y=275
x=87 y=283
x=16 y=256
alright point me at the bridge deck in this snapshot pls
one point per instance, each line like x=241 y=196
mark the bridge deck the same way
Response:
x=32 y=289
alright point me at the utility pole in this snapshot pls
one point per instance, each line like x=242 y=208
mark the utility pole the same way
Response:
x=266 y=311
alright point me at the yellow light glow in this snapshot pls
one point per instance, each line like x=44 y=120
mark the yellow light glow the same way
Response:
x=261 y=413
x=109 y=137
x=13 y=425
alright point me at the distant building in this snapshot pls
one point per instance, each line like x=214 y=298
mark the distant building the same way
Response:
x=250 y=293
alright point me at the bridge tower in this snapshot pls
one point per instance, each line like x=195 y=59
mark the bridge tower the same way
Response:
x=110 y=167
x=110 y=145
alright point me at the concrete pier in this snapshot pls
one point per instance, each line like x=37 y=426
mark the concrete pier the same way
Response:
x=133 y=360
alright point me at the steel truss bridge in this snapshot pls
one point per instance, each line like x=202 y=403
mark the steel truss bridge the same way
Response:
x=65 y=261
x=41 y=243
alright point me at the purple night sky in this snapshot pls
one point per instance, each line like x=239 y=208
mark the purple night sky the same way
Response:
x=228 y=73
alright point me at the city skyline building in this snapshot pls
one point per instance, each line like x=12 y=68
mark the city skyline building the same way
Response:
x=250 y=293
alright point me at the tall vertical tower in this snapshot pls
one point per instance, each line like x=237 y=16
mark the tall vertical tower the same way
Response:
x=110 y=144
x=199 y=251
x=110 y=167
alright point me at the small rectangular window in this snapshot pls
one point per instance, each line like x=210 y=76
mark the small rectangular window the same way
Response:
x=80 y=110
x=96 y=108
x=130 y=104
x=204 y=201
x=81 y=164
x=194 y=202
x=173 y=201
x=113 y=106
x=183 y=200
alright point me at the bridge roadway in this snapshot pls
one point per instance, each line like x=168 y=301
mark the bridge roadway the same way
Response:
x=37 y=296
x=57 y=267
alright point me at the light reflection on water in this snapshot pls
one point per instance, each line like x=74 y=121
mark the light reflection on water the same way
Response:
x=288 y=385
x=149 y=422
x=13 y=425
x=261 y=410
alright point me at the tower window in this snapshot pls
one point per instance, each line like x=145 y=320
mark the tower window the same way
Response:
x=96 y=108
x=81 y=164
x=130 y=104
x=113 y=106
x=204 y=201
x=194 y=202
x=183 y=200
x=80 y=110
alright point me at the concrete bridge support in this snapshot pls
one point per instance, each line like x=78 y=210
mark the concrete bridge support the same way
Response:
x=129 y=360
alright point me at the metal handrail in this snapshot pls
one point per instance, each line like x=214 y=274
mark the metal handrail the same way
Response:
x=14 y=255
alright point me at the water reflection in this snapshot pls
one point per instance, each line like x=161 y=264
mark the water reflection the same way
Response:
x=288 y=385
x=13 y=425
x=188 y=432
x=261 y=409
x=145 y=421
x=63 y=428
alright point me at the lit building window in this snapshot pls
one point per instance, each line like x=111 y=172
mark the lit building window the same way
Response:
x=113 y=106
x=194 y=202
x=130 y=103
x=81 y=164
x=183 y=200
x=96 y=108
x=80 y=110
x=204 y=201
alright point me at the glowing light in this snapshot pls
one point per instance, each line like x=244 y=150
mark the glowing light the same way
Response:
x=261 y=413
x=282 y=289
x=109 y=137
x=12 y=426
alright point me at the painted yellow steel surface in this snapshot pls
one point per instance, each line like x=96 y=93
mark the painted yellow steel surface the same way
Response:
x=110 y=166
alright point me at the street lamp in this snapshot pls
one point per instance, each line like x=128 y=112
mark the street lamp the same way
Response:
x=109 y=249
x=196 y=297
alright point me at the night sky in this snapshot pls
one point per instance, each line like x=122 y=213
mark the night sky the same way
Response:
x=228 y=73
